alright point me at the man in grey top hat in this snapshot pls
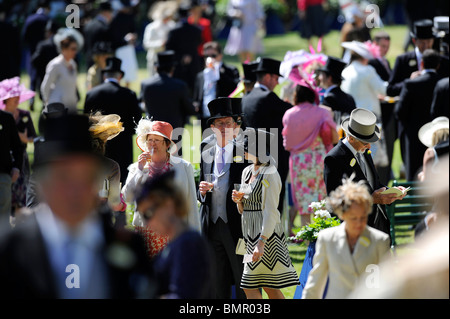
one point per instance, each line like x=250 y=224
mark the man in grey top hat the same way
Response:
x=351 y=156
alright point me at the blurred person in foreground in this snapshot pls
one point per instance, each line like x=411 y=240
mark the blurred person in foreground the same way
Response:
x=66 y=249
x=184 y=270
x=423 y=271
x=344 y=252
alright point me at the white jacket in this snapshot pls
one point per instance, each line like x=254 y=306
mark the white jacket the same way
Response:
x=184 y=179
x=364 y=84
x=334 y=261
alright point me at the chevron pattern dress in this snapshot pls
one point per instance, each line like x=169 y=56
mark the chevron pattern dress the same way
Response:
x=274 y=269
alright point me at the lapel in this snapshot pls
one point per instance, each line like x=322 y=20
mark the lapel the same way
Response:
x=362 y=248
x=349 y=159
x=35 y=250
x=342 y=246
x=209 y=160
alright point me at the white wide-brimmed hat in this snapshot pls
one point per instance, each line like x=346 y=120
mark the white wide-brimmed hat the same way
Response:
x=147 y=126
x=359 y=48
x=64 y=33
x=362 y=125
x=427 y=130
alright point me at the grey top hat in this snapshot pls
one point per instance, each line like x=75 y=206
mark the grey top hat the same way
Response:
x=362 y=125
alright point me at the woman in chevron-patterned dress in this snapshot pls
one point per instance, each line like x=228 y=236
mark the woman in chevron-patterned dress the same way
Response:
x=271 y=266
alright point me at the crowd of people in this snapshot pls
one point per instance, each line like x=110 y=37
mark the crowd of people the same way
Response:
x=328 y=135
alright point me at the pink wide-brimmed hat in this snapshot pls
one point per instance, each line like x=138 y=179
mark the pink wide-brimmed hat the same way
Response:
x=11 y=88
x=147 y=126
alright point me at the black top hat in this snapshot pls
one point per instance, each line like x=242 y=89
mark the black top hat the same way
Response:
x=334 y=67
x=113 y=64
x=268 y=65
x=65 y=135
x=166 y=59
x=219 y=108
x=249 y=71
x=423 y=29
x=54 y=110
x=236 y=106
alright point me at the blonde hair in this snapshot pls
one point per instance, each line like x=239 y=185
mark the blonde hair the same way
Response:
x=440 y=136
x=348 y=193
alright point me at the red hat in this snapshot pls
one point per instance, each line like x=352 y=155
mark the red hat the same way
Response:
x=146 y=126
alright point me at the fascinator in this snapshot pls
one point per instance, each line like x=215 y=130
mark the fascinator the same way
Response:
x=105 y=127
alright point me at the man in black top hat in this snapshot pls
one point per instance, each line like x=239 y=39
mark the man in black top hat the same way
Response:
x=111 y=98
x=236 y=107
x=330 y=79
x=408 y=64
x=65 y=248
x=265 y=110
x=167 y=98
x=221 y=222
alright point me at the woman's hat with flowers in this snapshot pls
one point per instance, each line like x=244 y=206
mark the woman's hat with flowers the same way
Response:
x=11 y=88
x=147 y=126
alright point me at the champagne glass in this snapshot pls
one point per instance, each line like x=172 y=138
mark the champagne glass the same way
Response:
x=210 y=178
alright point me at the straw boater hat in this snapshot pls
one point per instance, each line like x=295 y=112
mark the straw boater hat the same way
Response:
x=362 y=125
x=11 y=88
x=427 y=130
x=147 y=126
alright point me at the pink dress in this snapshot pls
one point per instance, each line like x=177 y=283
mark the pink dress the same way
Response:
x=307 y=136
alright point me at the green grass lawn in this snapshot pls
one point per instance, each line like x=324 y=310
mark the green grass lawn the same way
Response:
x=275 y=47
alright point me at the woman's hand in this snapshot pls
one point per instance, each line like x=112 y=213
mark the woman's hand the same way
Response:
x=143 y=159
x=237 y=196
x=258 y=251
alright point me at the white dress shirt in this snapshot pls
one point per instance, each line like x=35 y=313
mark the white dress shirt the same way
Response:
x=86 y=253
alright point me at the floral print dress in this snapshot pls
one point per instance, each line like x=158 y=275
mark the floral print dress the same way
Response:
x=306 y=173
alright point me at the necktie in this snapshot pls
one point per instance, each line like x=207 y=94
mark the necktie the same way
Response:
x=71 y=273
x=362 y=164
x=220 y=160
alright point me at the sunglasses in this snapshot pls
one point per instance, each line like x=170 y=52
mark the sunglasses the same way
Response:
x=211 y=56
